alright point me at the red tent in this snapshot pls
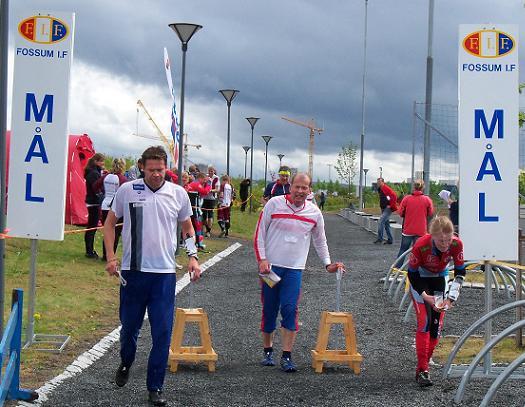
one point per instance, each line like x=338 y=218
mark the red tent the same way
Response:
x=79 y=152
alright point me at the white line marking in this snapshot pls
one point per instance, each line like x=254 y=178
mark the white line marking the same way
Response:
x=87 y=358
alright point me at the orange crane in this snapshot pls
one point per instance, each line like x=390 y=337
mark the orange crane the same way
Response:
x=313 y=129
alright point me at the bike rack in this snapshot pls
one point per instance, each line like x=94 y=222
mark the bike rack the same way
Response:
x=471 y=371
x=460 y=370
x=505 y=374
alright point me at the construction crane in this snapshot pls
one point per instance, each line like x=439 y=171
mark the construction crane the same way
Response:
x=186 y=145
x=313 y=129
x=168 y=143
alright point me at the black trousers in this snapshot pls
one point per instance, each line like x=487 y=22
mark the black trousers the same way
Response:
x=118 y=232
x=93 y=218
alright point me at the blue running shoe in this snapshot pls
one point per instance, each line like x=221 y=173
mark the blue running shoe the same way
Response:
x=268 y=359
x=287 y=365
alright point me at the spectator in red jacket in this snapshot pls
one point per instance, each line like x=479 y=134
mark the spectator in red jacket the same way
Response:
x=388 y=204
x=415 y=209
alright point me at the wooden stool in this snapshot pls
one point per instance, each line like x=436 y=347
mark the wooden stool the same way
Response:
x=346 y=356
x=195 y=354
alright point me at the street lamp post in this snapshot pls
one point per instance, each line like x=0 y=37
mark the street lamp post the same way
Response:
x=246 y=149
x=363 y=106
x=229 y=95
x=280 y=159
x=428 y=100
x=266 y=140
x=252 y=121
x=380 y=172
x=329 y=172
x=365 y=170
x=184 y=31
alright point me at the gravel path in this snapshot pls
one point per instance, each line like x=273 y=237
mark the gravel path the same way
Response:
x=229 y=292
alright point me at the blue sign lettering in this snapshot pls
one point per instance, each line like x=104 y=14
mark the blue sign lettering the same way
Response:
x=484 y=170
x=37 y=141
x=29 y=197
x=481 y=119
x=482 y=216
x=47 y=105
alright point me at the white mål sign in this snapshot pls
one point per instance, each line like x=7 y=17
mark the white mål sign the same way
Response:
x=39 y=136
x=488 y=141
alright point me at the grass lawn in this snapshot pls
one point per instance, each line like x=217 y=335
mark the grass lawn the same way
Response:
x=74 y=296
x=505 y=352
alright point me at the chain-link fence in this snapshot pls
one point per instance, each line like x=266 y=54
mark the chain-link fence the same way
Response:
x=444 y=166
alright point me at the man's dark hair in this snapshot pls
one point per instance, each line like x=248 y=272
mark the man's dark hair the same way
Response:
x=154 y=153
x=284 y=168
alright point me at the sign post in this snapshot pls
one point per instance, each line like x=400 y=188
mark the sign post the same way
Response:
x=43 y=55
x=488 y=148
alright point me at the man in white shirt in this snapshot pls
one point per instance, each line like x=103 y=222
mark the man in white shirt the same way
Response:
x=282 y=241
x=151 y=208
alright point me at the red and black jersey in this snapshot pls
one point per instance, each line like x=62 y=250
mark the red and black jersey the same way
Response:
x=426 y=255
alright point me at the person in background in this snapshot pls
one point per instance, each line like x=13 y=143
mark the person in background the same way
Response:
x=135 y=171
x=225 y=202
x=94 y=197
x=110 y=183
x=196 y=191
x=428 y=273
x=243 y=192
x=209 y=202
x=388 y=204
x=415 y=209
x=322 y=200
x=279 y=187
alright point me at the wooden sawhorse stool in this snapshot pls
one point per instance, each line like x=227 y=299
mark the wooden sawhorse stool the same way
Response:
x=346 y=356
x=193 y=354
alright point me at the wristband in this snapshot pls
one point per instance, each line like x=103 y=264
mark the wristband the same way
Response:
x=112 y=260
x=190 y=246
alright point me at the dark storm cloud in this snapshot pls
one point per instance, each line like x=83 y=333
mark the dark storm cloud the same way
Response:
x=301 y=59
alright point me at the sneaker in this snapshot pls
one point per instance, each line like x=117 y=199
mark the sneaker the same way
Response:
x=287 y=365
x=93 y=255
x=268 y=359
x=155 y=398
x=388 y=242
x=423 y=379
x=377 y=241
x=122 y=375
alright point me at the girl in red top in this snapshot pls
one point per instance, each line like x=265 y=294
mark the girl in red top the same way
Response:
x=427 y=273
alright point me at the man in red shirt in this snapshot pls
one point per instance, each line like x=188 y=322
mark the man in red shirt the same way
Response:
x=388 y=204
x=415 y=209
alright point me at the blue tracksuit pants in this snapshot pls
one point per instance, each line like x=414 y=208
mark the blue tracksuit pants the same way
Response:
x=156 y=293
x=284 y=295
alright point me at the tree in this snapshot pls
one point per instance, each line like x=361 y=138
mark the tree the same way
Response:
x=346 y=166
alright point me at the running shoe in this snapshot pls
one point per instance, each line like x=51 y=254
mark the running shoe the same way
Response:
x=268 y=359
x=287 y=365
x=423 y=379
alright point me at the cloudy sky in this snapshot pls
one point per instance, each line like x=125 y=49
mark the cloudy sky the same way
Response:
x=297 y=58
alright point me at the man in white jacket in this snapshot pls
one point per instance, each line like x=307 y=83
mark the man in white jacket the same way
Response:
x=281 y=242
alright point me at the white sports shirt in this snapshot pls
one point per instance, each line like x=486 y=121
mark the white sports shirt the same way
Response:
x=149 y=233
x=111 y=184
x=284 y=232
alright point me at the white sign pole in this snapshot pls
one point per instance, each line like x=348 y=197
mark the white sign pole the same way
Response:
x=39 y=140
x=488 y=149
x=488 y=141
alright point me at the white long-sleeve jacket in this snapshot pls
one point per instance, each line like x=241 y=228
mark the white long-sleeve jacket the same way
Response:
x=284 y=231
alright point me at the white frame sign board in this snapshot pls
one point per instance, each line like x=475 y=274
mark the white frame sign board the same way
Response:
x=43 y=55
x=488 y=134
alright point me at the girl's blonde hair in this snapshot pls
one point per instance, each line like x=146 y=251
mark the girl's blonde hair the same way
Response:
x=441 y=224
x=119 y=166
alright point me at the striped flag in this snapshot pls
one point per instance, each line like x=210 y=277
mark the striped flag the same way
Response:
x=175 y=134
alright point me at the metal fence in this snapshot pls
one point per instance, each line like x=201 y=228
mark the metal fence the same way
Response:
x=444 y=167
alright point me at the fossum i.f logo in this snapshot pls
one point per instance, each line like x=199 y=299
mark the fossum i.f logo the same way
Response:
x=488 y=43
x=43 y=29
